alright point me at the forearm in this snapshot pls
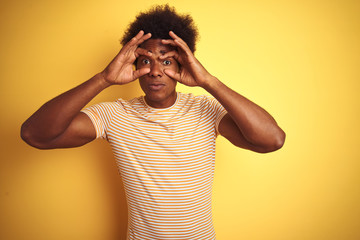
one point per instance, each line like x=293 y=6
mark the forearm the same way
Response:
x=256 y=125
x=54 y=117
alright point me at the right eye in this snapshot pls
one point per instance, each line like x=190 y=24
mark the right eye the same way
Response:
x=146 y=61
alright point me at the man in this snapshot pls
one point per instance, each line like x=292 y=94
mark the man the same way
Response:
x=164 y=141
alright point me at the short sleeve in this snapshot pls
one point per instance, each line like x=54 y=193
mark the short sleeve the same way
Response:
x=101 y=115
x=217 y=110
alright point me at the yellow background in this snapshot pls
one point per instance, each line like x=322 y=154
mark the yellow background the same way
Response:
x=298 y=59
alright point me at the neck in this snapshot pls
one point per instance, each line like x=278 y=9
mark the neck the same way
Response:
x=168 y=102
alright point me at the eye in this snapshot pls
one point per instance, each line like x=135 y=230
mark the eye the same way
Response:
x=166 y=62
x=146 y=61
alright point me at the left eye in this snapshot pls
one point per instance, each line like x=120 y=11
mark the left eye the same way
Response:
x=145 y=61
x=167 y=62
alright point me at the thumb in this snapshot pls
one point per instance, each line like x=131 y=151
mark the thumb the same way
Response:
x=141 y=72
x=172 y=74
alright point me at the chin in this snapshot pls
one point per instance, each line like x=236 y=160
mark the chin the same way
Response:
x=162 y=99
x=156 y=97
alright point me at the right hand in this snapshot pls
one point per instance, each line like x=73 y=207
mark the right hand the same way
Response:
x=120 y=70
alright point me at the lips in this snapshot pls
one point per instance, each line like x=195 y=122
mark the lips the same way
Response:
x=156 y=86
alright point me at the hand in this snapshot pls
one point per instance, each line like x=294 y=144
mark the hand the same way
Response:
x=191 y=73
x=120 y=70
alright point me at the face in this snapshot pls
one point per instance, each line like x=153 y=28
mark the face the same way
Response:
x=159 y=89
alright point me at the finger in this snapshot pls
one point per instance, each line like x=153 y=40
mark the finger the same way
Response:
x=172 y=74
x=140 y=72
x=142 y=52
x=169 y=42
x=137 y=40
x=172 y=54
x=180 y=43
x=143 y=38
x=184 y=47
x=137 y=37
x=176 y=37
x=129 y=46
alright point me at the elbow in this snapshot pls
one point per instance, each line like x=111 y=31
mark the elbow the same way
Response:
x=279 y=140
x=276 y=143
x=25 y=134
x=273 y=144
x=28 y=137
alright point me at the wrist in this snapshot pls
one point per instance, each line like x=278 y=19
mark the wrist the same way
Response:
x=211 y=84
x=99 y=78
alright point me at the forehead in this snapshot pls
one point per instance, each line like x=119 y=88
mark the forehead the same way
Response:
x=155 y=46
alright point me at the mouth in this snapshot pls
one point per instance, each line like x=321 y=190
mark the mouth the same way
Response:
x=156 y=86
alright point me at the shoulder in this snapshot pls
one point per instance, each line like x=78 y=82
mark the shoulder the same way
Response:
x=195 y=99
x=107 y=108
x=201 y=101
x=203 y=104
x=207 y=102
x=120 y=104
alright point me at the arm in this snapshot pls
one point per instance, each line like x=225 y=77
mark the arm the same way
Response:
x=59 y=122
x=246 y=125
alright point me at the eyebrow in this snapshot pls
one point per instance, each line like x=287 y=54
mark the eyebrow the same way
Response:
x=161 y=51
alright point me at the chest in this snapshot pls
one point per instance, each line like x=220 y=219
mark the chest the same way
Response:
x=186 y=128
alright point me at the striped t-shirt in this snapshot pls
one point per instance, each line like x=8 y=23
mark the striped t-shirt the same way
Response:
x=166 y=158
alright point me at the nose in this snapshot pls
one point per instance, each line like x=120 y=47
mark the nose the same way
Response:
x=156 y=70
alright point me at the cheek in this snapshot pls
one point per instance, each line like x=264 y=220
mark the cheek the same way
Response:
x=173 y=84
x=142 y=83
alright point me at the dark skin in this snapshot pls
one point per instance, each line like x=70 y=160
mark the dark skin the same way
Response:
x=158 y=87
x=59 y=123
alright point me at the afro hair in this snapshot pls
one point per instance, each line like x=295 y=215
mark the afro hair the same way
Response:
x=161 y=19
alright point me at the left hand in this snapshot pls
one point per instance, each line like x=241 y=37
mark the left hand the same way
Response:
x=191 y=73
